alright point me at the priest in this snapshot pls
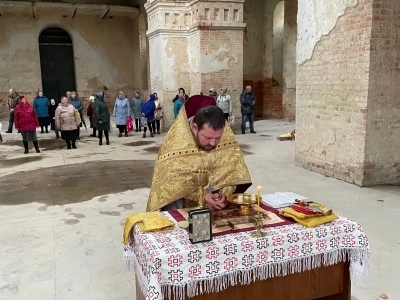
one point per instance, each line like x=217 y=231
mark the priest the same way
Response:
x=199 y=139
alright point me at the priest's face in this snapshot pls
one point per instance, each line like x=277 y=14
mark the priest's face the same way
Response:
x=207 y=138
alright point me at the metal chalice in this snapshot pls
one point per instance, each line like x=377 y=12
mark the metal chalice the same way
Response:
x=200 y=179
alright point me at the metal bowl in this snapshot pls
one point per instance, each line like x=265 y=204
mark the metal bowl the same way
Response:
x=243 y=199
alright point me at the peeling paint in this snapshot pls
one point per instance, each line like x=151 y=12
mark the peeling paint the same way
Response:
x=215 y=61
x=317 y=18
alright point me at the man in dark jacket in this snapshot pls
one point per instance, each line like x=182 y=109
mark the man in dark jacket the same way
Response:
x=13 y=101
x=247 y=101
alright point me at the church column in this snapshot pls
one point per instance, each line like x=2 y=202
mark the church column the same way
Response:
x=168 y=59
x=144 y=57
x=289 y=60
x=219 y=27
x=195 y=45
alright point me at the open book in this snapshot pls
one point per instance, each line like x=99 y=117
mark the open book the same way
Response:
x=281 y=199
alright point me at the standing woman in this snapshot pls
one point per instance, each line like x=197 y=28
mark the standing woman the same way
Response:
x=52 y=116
x=77 y=103
x=67 y=120
x=137 y=103
x=41 y=106
x=148 y=110
x=122 y=111
x=158 y=114
x=102 y=118
x=92 y=115
x=26 y=122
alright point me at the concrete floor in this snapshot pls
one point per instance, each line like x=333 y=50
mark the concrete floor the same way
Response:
x=62 y=212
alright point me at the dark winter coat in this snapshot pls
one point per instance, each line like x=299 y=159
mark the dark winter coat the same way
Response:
x=148 y=108
x=102 y=114
x=41 y=106
x=92 y=115
x=247 y=101
x=76 y=102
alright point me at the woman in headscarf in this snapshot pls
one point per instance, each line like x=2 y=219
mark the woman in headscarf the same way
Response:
x=148 y=110
x=92 y=115
x=158 y=114
x=102 y=118
x=52 y=115
x=26 y=122
x=67 y=120
x=136 y=105
x=77 y=103
x=122 y=111
x=41 y=107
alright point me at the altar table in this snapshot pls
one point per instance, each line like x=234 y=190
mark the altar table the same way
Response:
x=290 y=263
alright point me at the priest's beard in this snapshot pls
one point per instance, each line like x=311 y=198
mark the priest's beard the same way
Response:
x=207 y=147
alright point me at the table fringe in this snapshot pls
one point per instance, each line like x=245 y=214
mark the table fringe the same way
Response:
x=358 y=256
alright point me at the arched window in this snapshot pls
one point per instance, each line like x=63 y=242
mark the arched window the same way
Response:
x=56 y=62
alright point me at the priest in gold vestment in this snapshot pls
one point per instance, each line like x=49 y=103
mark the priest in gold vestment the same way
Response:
x=199 y=139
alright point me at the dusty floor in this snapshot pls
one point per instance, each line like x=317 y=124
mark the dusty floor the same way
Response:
x=62 y=212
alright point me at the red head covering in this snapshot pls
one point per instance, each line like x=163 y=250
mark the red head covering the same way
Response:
x=24 y=98
x=194 y=103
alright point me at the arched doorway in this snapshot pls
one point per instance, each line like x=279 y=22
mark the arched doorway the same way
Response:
x=56 y=62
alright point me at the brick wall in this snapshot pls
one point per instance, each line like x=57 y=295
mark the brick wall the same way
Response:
x=331 y=98
x=382 y=149
x=269 y=98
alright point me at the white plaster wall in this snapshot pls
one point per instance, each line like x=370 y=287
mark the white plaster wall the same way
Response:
x=279 y=13
x=315 y=19
x=103 y=52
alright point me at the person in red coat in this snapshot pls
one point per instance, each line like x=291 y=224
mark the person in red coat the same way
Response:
x=26 y=122
x=92 y=115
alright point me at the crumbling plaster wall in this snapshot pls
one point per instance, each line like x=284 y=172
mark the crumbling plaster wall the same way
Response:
x=317 y=18
x=104 y=51
x=332 y=87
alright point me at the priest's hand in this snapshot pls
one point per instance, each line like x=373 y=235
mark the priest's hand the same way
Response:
x=216 y=200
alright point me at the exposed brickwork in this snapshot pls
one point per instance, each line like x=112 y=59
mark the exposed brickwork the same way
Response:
x=382 y=149
x=269 y=98
x=204 y=50
x=331 y=100
x=289 y=105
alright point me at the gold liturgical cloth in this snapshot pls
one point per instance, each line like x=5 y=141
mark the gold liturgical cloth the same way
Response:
x=310 y=221
x=179 y=156
x=148 y=222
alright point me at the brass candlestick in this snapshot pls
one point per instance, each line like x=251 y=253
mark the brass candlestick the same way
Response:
x=258 y=218
x=200 y=179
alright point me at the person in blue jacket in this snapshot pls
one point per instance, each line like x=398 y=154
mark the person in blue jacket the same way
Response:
x=148 y=110
x=178 y=104
x=41 y=107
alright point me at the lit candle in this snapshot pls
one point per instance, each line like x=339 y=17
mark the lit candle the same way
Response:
x=258 y=194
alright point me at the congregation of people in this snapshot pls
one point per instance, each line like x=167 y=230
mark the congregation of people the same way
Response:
x=66 y=117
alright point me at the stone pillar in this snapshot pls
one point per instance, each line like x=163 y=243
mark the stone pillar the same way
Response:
x=348 y=112
x=289 y=61
x=195 y=45
x=144 y=57
x=382 y=145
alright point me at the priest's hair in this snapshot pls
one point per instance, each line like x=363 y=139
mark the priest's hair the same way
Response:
x=211 y=115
